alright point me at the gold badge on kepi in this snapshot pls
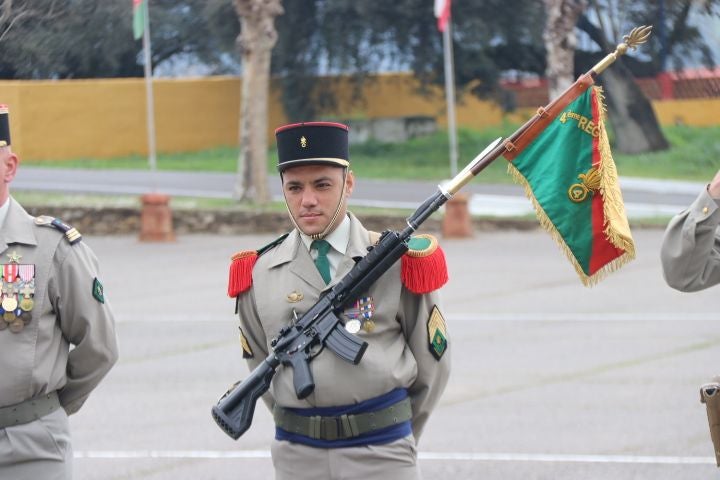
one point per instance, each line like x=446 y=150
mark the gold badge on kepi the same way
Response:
x=247 y=351
x=437 y=333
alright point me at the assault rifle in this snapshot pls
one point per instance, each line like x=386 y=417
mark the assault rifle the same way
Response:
x=296 y=344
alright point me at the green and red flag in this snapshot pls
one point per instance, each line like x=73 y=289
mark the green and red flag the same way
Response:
x=139 y=13
x=565 y=164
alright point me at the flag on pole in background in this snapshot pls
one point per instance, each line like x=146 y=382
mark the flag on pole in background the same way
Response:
x=442 y=13
x=569 y=174
x=139 y=12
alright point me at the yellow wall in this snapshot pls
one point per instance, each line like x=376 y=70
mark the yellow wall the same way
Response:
x=701 y=112
x=106 y=118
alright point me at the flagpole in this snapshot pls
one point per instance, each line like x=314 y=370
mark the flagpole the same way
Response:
x=539 y=121
x=152 y=156
x=450 y=95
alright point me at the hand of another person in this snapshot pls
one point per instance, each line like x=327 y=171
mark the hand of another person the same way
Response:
x=714 y=187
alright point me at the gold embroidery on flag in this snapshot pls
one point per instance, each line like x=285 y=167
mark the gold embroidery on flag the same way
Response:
x=589 y=182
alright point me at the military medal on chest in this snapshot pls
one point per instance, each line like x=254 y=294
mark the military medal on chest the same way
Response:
x=360 y=316
x=17 y=292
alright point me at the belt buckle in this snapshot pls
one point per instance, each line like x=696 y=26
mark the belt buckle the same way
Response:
x=330 y=428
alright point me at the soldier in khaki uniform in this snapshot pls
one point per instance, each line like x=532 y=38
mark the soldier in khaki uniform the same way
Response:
x=690 y=257
x=362 y=421
x=691 y=247
x=51 y=299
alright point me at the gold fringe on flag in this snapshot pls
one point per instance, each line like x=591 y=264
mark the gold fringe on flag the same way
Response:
x=550 y=227
x=617 y=228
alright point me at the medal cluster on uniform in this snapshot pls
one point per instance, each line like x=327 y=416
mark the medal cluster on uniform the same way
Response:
x=360 y=316
x=18 y=290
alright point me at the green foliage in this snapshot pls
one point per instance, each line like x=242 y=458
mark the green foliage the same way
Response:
x=93 y=38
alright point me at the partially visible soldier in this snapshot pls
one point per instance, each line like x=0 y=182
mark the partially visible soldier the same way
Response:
x=51 y=299
x=362 y=421
x=691 y=247
x=690 y=257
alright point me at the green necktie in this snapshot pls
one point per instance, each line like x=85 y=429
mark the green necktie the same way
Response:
x=321 y=261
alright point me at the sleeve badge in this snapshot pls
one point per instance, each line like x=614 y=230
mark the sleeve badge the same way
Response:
x=437 y=333
x=98 y=291
x=247 y=351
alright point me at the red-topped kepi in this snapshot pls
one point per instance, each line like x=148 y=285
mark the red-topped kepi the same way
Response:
x=4 y=126
x=312 y=143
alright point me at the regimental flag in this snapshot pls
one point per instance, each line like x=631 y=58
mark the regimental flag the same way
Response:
x=442 y=13
x=569 y=175
x=139 y=13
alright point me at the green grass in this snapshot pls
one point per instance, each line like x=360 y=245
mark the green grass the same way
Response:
x=694 y=155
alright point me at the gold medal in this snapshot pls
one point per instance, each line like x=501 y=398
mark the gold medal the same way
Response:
x=9 y=317
x=9 y=304
x=17 y=326
x=368 y=326
x=27 y=304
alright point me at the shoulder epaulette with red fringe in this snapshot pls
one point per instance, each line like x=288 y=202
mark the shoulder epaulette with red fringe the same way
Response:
x=242 y=266
x=423 y=268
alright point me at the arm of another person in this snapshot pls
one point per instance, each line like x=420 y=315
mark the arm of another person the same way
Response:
x=690 y=250
x=86 y=321
x=432 y=372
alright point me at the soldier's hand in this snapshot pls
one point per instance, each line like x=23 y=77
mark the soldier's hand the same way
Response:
x=714 y=187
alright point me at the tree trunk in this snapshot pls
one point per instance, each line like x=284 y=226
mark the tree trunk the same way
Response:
x=634 y=123
x=255 y=42
x=630 y=113
x=560 y=42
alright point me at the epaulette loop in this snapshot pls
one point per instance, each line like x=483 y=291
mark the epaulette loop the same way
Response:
x=242 y=266
x=423 y=268
x=71 y=233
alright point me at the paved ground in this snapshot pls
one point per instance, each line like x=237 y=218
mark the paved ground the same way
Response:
x=551 y=380
x=643 y=198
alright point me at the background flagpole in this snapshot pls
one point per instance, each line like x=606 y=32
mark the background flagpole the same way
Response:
x=156 y=223
x=152 y=157
x=450 y=95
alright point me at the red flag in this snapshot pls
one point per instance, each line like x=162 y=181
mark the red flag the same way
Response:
x=442 y=12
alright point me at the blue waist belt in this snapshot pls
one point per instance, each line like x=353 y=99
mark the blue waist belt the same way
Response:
x=378 y=420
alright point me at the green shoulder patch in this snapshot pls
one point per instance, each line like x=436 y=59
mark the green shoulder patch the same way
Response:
x=437 y=333
x=422 y=245
x=247 y=351
x=97 y=291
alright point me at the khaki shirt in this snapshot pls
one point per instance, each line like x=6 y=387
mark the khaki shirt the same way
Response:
x=398 y=353
x=690 y=251
x=38 y=360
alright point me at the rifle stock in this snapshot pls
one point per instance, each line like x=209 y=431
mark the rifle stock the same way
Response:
x=234 y=411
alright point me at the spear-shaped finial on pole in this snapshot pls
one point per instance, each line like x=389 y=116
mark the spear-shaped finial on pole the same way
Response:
x=637 y=36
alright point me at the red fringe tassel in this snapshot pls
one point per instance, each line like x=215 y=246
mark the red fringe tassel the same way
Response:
x=241 y=272
x=425 y=274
